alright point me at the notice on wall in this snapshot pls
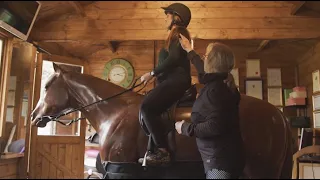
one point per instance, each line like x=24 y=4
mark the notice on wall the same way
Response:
x=253 y=68
x=316 y=102
x=274 y=76
x=12 y=83
x=9 y=114
x=254 y=88
x=315 y=81
x=316 y=119
x=275 y=96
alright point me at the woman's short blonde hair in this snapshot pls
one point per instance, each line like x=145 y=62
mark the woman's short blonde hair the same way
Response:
x=220 y=58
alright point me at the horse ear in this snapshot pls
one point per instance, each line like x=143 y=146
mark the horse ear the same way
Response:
x=56 y=67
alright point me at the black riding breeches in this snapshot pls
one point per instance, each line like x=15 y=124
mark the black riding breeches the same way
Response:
x=158 y=101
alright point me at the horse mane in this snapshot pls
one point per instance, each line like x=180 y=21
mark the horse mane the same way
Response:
x=96 y=85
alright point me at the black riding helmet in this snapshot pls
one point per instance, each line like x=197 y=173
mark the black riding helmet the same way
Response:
x=180 y=10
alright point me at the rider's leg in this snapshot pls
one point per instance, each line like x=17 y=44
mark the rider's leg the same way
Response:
x=154 y=104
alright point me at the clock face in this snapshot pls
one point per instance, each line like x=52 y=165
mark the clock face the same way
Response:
x=119 y=71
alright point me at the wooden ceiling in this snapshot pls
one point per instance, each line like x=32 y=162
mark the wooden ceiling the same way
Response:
x=81 y=28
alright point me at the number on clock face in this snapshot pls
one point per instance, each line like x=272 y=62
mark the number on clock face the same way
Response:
x=119 y=71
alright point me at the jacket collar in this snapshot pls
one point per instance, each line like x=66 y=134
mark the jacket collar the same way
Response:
x=209 y=77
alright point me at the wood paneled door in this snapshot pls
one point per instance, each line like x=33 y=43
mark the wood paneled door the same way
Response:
x=56 y=152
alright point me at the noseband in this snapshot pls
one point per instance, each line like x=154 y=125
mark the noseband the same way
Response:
x=56 y=117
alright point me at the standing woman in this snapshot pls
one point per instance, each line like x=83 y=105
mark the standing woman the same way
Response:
x=215 y=114
x=173 y=77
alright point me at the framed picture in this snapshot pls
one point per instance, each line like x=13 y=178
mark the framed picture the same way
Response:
x=275 y=96
x=253 y=68
x=316 y=102
x=254 y=88
x=274 y=76
x=315 y=81
x=235 y=73
x=316 y=119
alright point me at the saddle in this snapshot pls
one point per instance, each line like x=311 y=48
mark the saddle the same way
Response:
x=187 y=100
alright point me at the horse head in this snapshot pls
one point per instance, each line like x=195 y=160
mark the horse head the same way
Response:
x=55 y=99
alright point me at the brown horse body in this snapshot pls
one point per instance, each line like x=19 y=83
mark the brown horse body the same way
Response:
x=265 y=131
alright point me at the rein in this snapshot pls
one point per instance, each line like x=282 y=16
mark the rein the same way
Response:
x=56 y=117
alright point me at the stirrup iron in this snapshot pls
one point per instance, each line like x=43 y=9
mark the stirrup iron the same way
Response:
x=144 y=163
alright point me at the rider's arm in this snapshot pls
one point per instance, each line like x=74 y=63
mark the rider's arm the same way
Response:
x=172 y=60
x=198 y=64
x=215 y=122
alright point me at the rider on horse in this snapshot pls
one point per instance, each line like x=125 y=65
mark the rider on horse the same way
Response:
x=173 y=77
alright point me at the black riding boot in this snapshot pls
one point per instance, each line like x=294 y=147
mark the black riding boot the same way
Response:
x=160 y=99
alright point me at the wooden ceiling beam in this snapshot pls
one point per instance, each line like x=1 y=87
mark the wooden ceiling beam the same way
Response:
x=78 y=7
x=127 y=35
x=297 y=6
x=59 y=41
x=262 y=45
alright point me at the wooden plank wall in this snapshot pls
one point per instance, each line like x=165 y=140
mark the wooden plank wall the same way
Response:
x=306 y=65
x=141 y=55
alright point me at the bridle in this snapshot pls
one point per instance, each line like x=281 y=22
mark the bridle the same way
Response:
x=56 y=117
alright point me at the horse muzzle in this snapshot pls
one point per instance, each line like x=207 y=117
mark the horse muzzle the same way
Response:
x=41 y=122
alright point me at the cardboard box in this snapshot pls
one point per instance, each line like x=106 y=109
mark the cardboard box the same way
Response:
x=299 y=89
x=301 y=94
x=296 y=101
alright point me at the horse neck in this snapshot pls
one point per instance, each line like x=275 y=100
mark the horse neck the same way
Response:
x=85 y=89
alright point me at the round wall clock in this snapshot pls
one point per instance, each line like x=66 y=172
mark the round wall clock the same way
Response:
x=119 y=71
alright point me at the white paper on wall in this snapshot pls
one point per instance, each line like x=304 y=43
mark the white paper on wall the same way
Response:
x=274 y=76
x=9 y=114
x=316 y=102
x=253 y=68
x=275 y=96
x=12 y=83
x=11 y=98
x=315 y=81
x=254 y=89
x=316 y=119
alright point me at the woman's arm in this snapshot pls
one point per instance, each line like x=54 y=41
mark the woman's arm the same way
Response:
x=193 y=57
x=198 y=64
x=172 y=60
x=215 y=123
x=212 y=127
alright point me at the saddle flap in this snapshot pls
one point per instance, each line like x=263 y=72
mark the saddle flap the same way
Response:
x=189 y=95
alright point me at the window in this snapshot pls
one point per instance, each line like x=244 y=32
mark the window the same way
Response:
x=2 y=55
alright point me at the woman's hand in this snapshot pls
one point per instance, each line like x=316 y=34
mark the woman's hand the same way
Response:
x=146 y=77
x=178 y=126
x=185 y=43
